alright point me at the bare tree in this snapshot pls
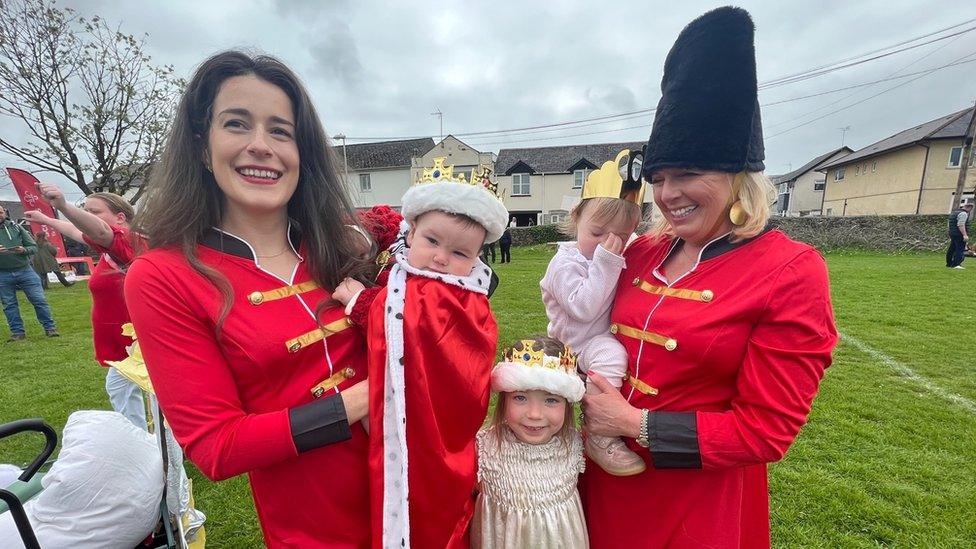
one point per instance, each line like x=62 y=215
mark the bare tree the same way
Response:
x=95 y=106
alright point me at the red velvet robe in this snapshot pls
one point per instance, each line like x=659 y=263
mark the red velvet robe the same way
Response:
x=750 y=343
x=449 y=338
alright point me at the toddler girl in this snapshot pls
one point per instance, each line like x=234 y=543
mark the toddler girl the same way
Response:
x=530 y=456
x=580 y=283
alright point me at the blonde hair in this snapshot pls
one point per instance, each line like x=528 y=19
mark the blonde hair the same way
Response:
x=605 y=210
x=116 y=204
x=756 y=194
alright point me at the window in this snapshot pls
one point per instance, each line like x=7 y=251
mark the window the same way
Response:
x=830 y=211
x=364 y=185
x=783 y=188
x=579 y=177
x=820 y=184
x=955 y=157
x=839 y=174
x=557 y=216
x=520 y=184
x=857 y=170
x=874 y=166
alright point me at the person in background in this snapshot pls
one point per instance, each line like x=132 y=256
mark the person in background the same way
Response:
x=45 y=261
x=16 y=273
x=489 y=249
x=505 y=243
x=104 y=226
x=959 y=222
x=77 y=249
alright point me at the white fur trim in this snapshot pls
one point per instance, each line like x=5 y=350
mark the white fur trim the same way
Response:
x=513 y=376
x=473 y=201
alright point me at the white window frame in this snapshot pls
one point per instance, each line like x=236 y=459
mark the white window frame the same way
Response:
x=821 y=183
x=874 y=166
x=579 y=177
x=368 y=186
x=521 y=184
x=958 y=160
x=857 y=170
x=839 y=174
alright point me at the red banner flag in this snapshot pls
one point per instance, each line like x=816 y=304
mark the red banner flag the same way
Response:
x=26 y=185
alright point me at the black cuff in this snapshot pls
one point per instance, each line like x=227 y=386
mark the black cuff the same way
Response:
x=673 y=438
x=319 y=423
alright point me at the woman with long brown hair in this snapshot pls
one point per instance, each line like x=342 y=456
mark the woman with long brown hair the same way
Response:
x=248 y=231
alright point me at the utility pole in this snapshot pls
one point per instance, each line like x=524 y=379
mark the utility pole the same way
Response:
x=440 y=117
x=345 y=162
x=843 y=134
x=967 y=154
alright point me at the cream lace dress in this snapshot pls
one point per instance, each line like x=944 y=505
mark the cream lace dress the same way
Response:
x=528 y=493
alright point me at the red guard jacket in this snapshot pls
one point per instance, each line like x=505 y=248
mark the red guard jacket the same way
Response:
x=734 y=351
x=241 y=400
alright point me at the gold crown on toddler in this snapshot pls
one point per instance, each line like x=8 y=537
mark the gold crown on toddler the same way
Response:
x=526 y=367
x=617 y=178
x=524 y=353
x=439 y=172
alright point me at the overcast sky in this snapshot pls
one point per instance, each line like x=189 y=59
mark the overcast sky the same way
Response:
x=378 y=69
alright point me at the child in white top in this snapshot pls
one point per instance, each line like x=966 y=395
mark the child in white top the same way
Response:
x=531 y=455
x=578 y=290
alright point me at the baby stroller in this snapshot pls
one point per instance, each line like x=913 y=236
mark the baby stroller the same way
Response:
x=28 y=486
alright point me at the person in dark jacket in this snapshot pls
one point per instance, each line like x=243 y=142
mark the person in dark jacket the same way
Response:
x=16 y=247
x=505 y=243
x=959 y=222
x=45 y=262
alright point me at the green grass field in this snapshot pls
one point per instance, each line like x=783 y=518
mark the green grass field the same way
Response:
x=887 y=459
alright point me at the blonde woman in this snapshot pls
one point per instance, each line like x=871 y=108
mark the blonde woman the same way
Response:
x=726 y=322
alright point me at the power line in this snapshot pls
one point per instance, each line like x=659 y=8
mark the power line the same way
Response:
x=788 y=79
x=857 y=102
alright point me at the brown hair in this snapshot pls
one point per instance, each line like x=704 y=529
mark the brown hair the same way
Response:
x=183 y=200
x=604 y=210
x=551 y=347
x=116 y=204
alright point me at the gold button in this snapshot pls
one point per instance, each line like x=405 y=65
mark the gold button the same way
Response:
x=707 y=295
x=670 y=344
x=613 y=328
x=256 y=298
x=348 y=373
x=294 y=347
x=318 y=392
x=637 y=282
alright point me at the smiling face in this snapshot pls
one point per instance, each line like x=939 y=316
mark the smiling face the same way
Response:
x=251 y=147
x=444 y=243
x=534 y=416
x=694 y=202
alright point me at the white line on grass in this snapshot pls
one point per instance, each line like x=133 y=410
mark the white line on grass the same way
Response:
x=907 y=372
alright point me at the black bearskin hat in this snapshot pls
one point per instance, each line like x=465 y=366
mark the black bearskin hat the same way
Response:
x=708 y=116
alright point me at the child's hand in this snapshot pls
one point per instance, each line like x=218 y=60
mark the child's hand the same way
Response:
x=346 y=290
x=613 y=244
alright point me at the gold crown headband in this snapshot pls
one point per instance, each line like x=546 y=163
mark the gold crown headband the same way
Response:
x=526 y=354
x=618 y=178
x=479 y=178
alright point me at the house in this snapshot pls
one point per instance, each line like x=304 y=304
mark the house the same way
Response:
x=800 y=192
x=457 y=153
x=540 y=185
x=912 y=172
x=379 y=173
